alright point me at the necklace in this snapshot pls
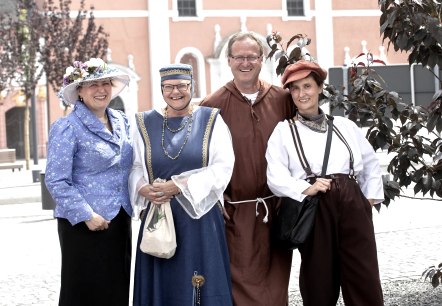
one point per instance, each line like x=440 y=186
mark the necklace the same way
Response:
x=183 y=124
x=188 y=122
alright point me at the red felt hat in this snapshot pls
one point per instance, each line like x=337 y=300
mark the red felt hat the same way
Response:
x=300 y=70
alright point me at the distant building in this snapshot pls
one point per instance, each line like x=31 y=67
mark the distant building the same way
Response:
x=145 y=35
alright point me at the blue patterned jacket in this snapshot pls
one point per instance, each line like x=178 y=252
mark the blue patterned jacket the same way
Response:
x=88 y=166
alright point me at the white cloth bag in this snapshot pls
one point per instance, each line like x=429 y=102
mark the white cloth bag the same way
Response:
x=159 y=237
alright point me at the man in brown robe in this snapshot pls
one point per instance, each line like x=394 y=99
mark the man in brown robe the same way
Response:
x=252 y=108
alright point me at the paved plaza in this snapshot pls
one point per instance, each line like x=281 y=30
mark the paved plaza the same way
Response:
x=408 y=235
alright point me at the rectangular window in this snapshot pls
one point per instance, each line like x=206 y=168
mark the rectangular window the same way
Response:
x=295 y=7
x=186 y=8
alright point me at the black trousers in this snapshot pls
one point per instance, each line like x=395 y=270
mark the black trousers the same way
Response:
x=95 y=266
x=341 y=252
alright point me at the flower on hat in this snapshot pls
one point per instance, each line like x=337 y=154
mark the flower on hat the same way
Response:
x=79 y=71
x=94 y=69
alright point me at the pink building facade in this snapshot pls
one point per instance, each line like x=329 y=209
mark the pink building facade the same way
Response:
x=147 y=34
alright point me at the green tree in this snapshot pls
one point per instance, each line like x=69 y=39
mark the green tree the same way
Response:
x=67 y=40
x=414 y=26
x=46 y=40
x=21 y=43
x=7 y=60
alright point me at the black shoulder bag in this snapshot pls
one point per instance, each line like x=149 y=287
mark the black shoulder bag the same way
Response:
x=295 y=220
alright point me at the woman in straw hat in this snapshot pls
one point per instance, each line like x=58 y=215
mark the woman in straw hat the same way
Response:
x=340 y=253
x=190 y=149
x=88 y=165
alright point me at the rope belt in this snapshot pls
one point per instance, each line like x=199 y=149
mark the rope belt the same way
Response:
x=257 y=200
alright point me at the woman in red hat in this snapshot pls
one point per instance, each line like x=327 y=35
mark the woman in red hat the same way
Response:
x=341 y=251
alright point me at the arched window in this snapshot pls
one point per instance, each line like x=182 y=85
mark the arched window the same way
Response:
x=190 y=59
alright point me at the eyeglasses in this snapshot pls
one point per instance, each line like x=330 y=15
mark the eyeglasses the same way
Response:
x=250 y=59
x=181 y=87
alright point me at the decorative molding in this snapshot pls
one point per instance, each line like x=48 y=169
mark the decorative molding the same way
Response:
x=202 y=14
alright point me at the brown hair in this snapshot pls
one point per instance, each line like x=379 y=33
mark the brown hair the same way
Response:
x=319 y=81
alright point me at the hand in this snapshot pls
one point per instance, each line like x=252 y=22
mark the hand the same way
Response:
x=159 y=192
x=320 y=185
x=97 y=223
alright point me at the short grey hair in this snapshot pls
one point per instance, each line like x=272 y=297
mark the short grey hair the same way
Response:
x=241 y=36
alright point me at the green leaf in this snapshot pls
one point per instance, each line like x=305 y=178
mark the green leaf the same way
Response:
x=281 y=65
x=429 y=41
x=427 y=182
x=432 y=60
x=439 y=125
x=412 y=153
x=274 y=49
x=432 y=120
x=295 y=54
x=435 y=281
x=419 y=35
x=417 y=188
x=402 y=40
x=384 y=23
x=392 y=17
x=297 y=36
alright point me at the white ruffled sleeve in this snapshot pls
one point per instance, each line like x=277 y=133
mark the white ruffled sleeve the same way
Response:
x=202 y=188
x=138 y=176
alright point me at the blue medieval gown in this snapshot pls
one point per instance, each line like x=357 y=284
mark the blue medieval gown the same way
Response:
x=201 y=243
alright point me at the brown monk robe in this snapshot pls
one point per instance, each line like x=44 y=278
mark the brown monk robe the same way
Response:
x=260 y=271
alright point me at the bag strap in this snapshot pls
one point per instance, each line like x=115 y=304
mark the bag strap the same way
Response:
x=328 y=145
x=341 y=137
x=298 y=147
x=300 y=151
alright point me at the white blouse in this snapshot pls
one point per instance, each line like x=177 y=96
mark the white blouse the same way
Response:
x=286 y=177
x=201 y=188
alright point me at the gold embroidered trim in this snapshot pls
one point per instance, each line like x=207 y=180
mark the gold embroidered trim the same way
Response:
x=207 y=134
x=148 y=146
x=175 y=71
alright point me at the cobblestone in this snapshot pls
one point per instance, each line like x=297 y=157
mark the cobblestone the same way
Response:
x=407 y=233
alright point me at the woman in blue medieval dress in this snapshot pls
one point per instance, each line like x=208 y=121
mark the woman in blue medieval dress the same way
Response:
x=189 y=149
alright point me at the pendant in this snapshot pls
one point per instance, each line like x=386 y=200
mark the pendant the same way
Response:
x=197 y=282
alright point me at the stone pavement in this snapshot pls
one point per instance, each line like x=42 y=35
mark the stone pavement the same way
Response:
x=408 y=238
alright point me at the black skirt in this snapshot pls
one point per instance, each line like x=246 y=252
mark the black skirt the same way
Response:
x=95 y=266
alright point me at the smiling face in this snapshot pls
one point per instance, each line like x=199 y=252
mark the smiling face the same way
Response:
x=96 y=95
x=176 y=94
x=245 y=61
x=305 y=94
